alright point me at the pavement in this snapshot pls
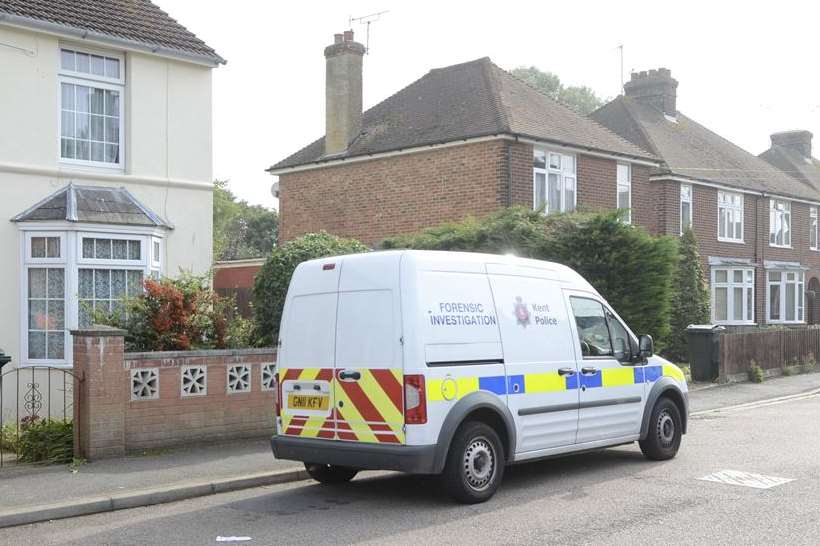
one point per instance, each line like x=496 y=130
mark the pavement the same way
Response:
x=613 y=497
x=31 y=494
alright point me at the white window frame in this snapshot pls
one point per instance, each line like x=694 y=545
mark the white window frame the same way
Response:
x=785 y=213
x=71 y=236
x=621 y=184
x=723 y=199
x=690 y=201
x=93 y=81
x=562 y=174
x=813 y=228
x=748 y=305
x=43 y=263
x=799 y=296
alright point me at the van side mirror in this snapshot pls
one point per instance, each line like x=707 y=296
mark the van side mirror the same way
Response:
x=646 y=347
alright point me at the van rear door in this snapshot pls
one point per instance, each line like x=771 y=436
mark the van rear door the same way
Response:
x=368 y=374
x=306 y=352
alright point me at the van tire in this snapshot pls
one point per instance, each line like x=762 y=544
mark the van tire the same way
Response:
x=329 y=473
x=665 y=431
x=466 y=477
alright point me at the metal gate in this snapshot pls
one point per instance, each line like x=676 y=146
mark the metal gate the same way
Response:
x=36 y=407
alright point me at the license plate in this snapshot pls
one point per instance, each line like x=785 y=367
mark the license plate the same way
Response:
x=308 y=402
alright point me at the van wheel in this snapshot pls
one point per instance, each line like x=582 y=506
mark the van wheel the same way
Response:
x=475 y=463
x=665 y=430
x=328 y=473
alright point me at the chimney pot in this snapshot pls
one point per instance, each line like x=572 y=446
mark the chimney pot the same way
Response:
x=799 y=141
x=657 y=88
x=343 y=92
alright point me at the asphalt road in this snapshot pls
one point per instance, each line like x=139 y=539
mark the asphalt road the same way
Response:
x=609 y=497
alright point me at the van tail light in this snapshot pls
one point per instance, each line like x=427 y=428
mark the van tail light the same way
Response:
x=415 y=400
x=277 y=404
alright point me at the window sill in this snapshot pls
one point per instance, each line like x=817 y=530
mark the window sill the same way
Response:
x=90 y=166
x=45 y=364
x=787 y=247
x=734 y=241
x=787 y=322
x=734 y=323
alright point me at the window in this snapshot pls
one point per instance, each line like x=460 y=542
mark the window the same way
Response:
x=112 y=249
x=625 y=191
x=625 y=346
x=91 y=108
x=733 y=295
x=554 y=182
x=785 y=296
x=103 y=291
x=685 y=207
x=45 y=289
x=813 y=228
x=780 y=223
x=730 y=217
x=593 y=332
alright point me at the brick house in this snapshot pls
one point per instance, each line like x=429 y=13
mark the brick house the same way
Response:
x=462 y=140
x=756 y=225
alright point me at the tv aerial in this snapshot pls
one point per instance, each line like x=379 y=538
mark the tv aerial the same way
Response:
x=366 y=20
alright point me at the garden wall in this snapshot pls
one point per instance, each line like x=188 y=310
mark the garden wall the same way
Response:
x=126 y=402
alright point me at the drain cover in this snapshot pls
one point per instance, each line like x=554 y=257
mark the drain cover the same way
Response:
x=747 y=479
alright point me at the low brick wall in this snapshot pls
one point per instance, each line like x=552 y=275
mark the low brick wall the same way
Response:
x=133 y=401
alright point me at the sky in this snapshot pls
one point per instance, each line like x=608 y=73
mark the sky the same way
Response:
x=745 y=70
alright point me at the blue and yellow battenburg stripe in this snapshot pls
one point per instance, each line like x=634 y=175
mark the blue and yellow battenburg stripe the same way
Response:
x=453 y=388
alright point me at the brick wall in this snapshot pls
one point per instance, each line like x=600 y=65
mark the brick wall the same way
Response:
x=114 y=421
x=370 y=200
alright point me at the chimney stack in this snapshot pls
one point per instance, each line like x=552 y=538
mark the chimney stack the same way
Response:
x=343 y=92
x=799 y=141
x=657 y=88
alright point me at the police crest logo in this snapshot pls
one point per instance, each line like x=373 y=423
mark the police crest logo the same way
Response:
x=522 y=315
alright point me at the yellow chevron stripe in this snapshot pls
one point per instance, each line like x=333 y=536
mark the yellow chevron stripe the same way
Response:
x=350 y=414
x=379 y=399
x=312 y=427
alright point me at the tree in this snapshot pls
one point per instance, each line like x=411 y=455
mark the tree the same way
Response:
x=630 y=268
x=241 y=230
x=579 y=98
x=690 y=302
x=273 y=279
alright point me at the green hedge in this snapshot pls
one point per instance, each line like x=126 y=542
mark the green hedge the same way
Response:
x=630 y=268
x=273 y=279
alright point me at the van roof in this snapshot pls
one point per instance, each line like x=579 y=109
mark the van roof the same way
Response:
x=467 y=261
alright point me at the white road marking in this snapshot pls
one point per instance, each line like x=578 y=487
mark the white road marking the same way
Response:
x=756 y=404
x=746 y=479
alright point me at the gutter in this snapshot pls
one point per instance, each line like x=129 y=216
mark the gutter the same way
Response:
x=700 y=182
x=125 y=43
x=449 y=143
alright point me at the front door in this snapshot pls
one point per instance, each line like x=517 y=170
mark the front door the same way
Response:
x=611 y=386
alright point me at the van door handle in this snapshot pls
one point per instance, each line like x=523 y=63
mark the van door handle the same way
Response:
x=566 y=371
x=589 y=370
x=350 y=374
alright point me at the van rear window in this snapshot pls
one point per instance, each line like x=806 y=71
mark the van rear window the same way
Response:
x=311 y=331
x=366 y=335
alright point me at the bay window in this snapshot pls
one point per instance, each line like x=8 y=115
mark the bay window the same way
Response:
x=685 y=207
x=624 y=183
x=45 y=296
x=554 y=181
x=784 y=296
x=91 y=108
x=732 y=295
x=730 y=217
x=780 y=223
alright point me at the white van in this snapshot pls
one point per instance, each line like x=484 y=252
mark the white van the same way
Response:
x=459 y=364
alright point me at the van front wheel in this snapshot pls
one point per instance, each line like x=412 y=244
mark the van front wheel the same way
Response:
x=665 y=430
x=475 y=463
x=328 y=473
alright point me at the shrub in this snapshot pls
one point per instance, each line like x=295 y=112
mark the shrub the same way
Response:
x=755 y=372
x=273 y=279
x=178 y=315
x=8 y=438
x=46 y=441
x=630 y=268
x=690 y=298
